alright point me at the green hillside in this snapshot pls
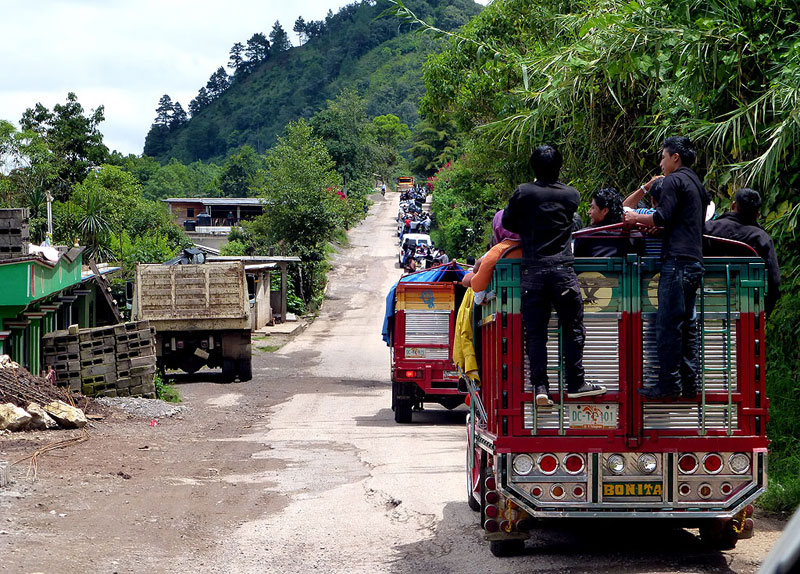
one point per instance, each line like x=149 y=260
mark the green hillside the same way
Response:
x=356 y=48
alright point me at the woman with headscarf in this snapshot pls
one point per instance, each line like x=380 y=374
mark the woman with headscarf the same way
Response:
x=506 y=245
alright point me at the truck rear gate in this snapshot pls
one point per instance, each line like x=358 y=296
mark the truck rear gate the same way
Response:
x=618 y=453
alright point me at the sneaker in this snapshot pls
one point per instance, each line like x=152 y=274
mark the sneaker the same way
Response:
x=542 y=397
x=586 y=390
x=657 y=392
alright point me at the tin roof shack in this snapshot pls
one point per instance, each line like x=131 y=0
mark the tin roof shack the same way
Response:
x=208 y=220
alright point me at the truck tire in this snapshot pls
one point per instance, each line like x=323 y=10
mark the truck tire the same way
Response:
x=245 y=370
x=228 y=370
x=719 y=534
x=401 y=407
x=506 y=548
x=472 y=473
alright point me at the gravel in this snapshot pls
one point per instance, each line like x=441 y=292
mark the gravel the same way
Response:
x=146 y=408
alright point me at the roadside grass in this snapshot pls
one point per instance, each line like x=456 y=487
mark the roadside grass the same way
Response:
x=267 y=348
x=165 y=390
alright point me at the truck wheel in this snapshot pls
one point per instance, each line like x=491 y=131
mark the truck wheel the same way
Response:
x=228 y=370
x=245 y=370
x=506 y=548
x=402 y=411
x=719 y=534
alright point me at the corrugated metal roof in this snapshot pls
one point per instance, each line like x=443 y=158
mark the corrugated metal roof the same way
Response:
x=217 y=200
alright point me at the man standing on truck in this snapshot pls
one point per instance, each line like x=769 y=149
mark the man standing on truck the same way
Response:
x=542 y=213
x=681 y=212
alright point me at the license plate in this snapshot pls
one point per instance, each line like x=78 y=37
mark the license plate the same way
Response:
x=623 y=489
x=451 y=374
x=415 y=353
x=593 y=416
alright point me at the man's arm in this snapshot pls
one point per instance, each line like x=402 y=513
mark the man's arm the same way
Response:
x=633 y=199
x=668 y=203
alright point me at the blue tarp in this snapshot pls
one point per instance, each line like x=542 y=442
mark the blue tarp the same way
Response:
x=453 y=269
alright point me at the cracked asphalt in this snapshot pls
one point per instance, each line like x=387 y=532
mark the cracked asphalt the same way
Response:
x=301 y=469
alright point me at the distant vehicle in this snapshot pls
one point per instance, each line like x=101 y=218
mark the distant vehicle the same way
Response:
x=405 y=183
x=201 y=313
x=413 y=239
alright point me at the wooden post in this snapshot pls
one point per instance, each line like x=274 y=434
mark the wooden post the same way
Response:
x=284 y=293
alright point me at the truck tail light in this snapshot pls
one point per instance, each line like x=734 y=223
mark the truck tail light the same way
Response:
x=492 y=511
x=687 y=463
x=491 y=526
x=491 y=483
x=704 y=490
x=548 y=463
x=537 y=491
x=411 y=374
x=726 y=488
x=684 y=489
x=739 y=462
x=180 y=344
x=577 y=492
x=573 y=463
x=492 y=497
x=712 y=463
x=557 y=491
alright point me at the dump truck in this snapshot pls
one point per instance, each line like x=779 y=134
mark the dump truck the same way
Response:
x=691 y=462
x=419 y=328
x=201 y=314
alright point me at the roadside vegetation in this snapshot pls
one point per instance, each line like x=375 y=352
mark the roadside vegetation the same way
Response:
x=606 y=82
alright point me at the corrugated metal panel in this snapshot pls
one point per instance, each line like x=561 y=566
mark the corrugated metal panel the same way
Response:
x=716 y=352
x=677 y=416
x=427 y=328
x=600 y=353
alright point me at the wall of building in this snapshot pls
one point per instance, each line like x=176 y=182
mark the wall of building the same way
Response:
x=179 y=211
x=261 y=309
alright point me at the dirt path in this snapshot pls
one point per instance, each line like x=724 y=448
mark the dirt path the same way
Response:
x=301 y=469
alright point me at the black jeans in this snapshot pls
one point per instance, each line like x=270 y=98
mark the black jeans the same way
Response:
x=543 y=288
x=676 y=324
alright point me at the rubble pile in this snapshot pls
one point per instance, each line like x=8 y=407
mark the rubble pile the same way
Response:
x=116 y=361
x=28 y=402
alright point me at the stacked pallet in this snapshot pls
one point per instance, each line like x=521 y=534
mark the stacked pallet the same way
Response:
x=14 y=233
x=116 y=361
x=136 y=361
x=62 y=351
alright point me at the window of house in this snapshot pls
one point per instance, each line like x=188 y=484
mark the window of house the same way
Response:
x=190 y=212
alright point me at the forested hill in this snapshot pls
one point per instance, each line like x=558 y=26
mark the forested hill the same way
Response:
x=269 y=83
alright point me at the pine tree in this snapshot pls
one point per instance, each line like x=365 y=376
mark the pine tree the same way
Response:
x=179 y=117
x=279 y=38
x=217 y=83
x=200 y=102
x=164 y=111
x=236 y=59
x=257 y=49
x=300 y=29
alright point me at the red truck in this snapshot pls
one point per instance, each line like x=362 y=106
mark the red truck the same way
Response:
x=697 y=463
x=419 y=328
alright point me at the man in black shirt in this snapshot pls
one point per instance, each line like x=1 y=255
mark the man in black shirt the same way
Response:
x=741 y=224
x=681 y=212
x=542 y=213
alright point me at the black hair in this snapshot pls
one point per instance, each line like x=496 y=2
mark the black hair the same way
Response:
x=470 y=260
x=748 y=203
x=655 y=189
x=546 y=162
x=682 y=146
x=608 y=197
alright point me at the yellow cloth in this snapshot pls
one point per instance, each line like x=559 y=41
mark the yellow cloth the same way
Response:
x=463 y=349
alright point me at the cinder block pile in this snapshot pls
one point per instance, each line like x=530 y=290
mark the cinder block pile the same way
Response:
x=116 y=361
x=15 y=233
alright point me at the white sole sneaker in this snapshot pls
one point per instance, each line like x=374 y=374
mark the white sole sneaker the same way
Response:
x=543 y=401
x=592 y=391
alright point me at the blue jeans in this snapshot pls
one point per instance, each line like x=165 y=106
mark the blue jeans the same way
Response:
x=676 y=324
x=542 y=289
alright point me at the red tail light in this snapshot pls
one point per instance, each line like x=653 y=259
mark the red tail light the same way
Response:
x=577 y=492
x=712 y=463
x=537 y=491
x=687 y=463
x=548 y=463
x=573 y=463
x=492 y=497
x=491 y=526
x=726 y=488
x=411 y=374
x=491 y=511
x=491 y=483
x=684 y=489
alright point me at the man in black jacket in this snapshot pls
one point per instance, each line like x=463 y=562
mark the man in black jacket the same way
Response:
x=542 y=213
x=741 y=224
x=681 y=212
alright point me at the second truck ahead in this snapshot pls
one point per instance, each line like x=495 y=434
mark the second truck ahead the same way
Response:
x=201 y=314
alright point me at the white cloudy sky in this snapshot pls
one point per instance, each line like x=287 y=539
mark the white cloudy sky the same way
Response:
x=125 y=54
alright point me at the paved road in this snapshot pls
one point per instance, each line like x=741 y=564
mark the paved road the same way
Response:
x=368 y=495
